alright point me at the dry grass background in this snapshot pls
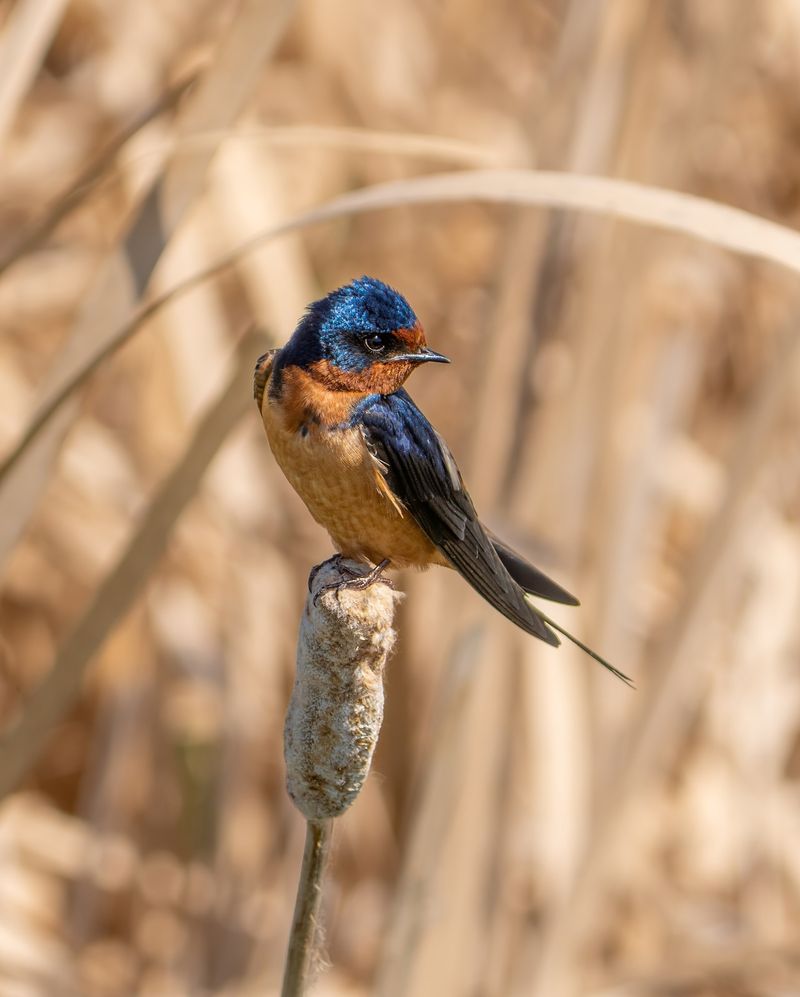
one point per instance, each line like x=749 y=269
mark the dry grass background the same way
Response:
x=624 y=403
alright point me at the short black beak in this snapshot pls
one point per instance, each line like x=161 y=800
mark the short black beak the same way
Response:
x=422 y=356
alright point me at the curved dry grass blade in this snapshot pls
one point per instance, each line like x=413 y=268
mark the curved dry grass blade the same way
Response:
x=719 y=224
x=20 y=746
x=29 y=470
x=28 y=34
x=724 y=226
x=434 y=147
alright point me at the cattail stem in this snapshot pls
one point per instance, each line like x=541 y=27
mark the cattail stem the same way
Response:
x=303 y=937
x=332 y=725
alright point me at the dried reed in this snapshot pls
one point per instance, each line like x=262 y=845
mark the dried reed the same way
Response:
x=332 y=726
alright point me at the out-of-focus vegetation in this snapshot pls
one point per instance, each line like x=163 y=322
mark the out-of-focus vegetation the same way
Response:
x=623 y=401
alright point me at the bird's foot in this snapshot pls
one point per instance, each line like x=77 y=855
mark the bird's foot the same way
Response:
x=364 y=581
x=356 y=582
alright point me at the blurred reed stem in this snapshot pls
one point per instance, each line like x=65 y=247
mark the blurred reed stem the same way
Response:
x=97 y=171
x=22 y=742
x=162 y=203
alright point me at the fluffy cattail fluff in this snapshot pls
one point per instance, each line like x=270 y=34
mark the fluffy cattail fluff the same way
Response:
x=336 y=708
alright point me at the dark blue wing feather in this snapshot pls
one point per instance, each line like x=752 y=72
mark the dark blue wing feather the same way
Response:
x=423 y=475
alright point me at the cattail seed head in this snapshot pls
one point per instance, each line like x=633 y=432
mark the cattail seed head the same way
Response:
x=336 y=708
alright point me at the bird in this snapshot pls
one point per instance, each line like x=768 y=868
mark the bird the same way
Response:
x=370 y=467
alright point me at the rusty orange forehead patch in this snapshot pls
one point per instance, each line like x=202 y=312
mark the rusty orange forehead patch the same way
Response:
x=410 y=338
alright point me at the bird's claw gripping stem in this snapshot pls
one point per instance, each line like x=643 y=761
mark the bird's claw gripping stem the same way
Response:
x=357 y=582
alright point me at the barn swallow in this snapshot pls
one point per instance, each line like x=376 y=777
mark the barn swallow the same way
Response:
x=370 y=467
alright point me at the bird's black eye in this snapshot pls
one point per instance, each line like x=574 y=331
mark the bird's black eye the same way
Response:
x=375 y=343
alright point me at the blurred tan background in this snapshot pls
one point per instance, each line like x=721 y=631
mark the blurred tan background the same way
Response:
x=623 y=402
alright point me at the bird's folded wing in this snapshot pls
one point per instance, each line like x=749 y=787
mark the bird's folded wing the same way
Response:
x=421 y=472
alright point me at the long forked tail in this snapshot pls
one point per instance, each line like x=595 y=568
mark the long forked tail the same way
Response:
x=585 y=647
x=529 y=578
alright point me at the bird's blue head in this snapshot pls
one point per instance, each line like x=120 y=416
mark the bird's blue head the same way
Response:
x=361 y=337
